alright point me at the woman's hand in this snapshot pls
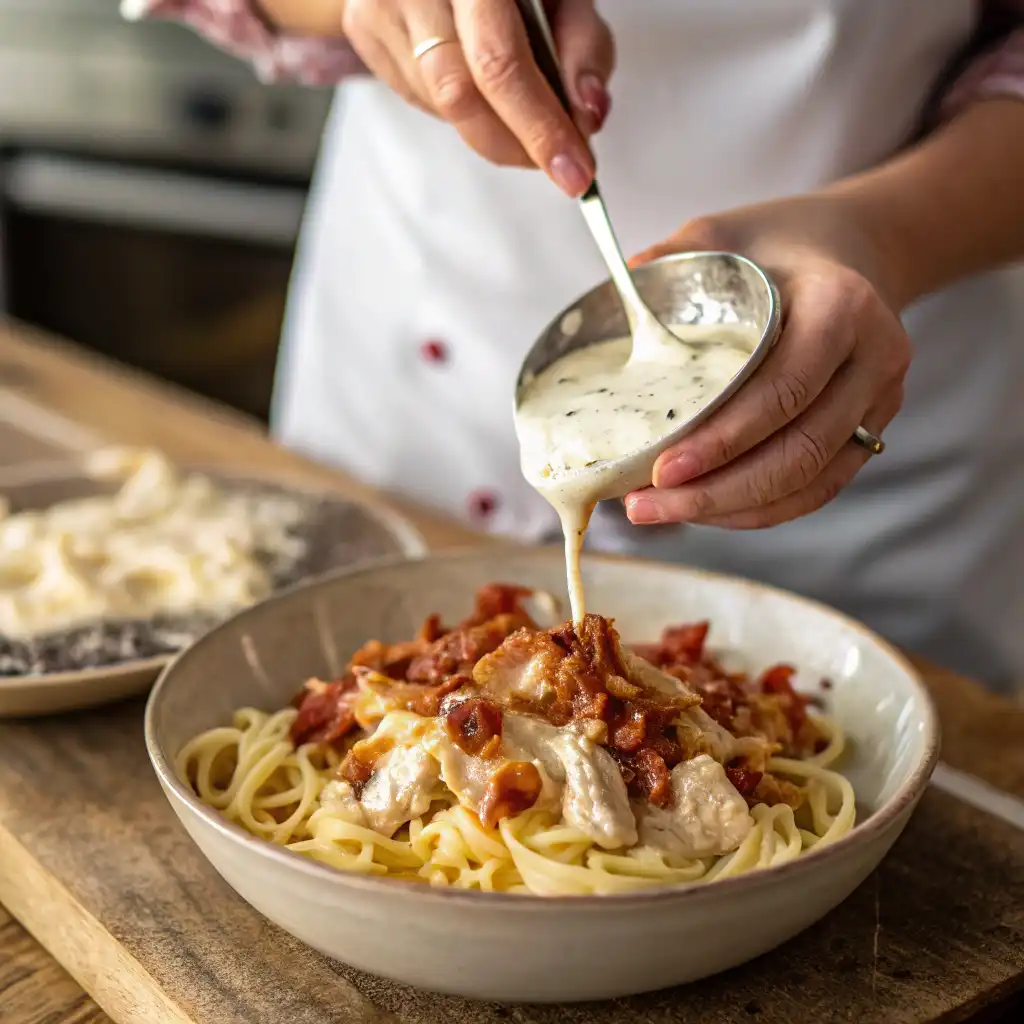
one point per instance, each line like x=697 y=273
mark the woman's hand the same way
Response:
x=483 y=78
x=781 y=447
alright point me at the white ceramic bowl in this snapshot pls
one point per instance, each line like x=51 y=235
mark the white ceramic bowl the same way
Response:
x=527 y=948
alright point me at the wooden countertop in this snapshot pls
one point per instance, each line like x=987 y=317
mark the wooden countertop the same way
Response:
x=70 y=401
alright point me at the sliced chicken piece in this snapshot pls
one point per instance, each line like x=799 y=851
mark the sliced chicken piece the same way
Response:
x=400 y=788
x=525 y=738
x=706 y=818
x=520 y=670
x=397 y=776
x=594 y=797
x=466 y=776
x=339 y=798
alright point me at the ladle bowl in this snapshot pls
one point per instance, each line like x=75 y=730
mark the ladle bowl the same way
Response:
x=703 y=288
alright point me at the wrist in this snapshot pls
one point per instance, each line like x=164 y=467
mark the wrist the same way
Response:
x=948 y=207
x=883 y=249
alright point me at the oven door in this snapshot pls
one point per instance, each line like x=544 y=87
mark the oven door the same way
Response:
x=180 y=274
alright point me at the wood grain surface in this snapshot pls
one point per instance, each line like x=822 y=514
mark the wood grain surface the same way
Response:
x=34 y=988
x=93 y=860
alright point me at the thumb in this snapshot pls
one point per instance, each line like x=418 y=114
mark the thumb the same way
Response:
x=586 y=51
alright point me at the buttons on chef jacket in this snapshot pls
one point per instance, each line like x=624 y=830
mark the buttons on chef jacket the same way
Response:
x=434 y=350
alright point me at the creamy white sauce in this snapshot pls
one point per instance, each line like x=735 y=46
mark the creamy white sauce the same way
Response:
x=593 y=406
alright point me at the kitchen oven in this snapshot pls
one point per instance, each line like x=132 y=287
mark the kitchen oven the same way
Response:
x=151 y=191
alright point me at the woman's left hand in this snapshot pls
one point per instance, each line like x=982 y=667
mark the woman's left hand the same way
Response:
x=781 y=447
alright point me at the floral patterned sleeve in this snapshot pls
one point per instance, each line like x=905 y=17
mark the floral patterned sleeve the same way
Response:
x=235 y=26
x=995 y=63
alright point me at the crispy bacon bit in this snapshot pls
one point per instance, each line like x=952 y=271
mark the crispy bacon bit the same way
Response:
x=668 y=749
x=325 y=712
x=685 y=643
x=769 y=708
x=745 y=780
x=356 y=772
x=423 y=700
x=778 y=680
x=771 y=790
x=390 y=660
x=475 y=727
x=630 y=730
x=496 y=599
x=512 y=789
x=431 y=629
x=653 y=778
x=457 y=652
x=619 y=687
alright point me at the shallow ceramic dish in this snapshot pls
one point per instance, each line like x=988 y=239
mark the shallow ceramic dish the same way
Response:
x=345 y=533
x=529 y=948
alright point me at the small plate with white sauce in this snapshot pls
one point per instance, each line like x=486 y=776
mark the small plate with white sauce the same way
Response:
x=111 y=564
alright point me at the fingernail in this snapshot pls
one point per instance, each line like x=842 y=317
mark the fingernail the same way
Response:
x=640 y=509
x=569 y=175
x=593 y=98
x=677 y=470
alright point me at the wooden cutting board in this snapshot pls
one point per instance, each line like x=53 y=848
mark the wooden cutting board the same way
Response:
x=94 y=863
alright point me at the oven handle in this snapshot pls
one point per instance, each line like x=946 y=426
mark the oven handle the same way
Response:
x=153 y=199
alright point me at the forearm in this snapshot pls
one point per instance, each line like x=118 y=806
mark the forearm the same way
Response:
x=949 y=207
x=303 y=17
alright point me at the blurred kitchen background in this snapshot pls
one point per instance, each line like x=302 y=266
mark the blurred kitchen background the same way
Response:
x=150 y=193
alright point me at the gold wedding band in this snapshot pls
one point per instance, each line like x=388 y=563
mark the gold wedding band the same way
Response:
x=871 y=444
x=422 y=49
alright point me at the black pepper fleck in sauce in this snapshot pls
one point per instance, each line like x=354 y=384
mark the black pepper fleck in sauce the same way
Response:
x=671 y=414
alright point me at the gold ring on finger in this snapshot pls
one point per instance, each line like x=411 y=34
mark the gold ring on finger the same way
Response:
x=422 y=49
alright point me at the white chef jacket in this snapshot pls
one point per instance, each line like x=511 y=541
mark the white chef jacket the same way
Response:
x=424 y=274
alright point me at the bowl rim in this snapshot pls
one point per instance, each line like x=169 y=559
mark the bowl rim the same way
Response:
x=863 y=832
x=409 y=539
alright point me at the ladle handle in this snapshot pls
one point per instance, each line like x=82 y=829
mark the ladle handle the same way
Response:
x=643 y=326
x=542 y=44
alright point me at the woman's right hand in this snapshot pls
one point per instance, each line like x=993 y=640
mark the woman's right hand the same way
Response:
x=483 y=78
